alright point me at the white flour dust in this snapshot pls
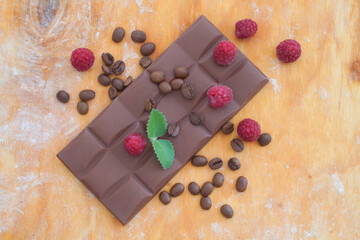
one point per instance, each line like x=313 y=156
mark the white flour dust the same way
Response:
x=143 y=8
x=338 y=185
x=276 y=85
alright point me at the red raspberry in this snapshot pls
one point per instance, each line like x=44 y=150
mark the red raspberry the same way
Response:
x=245 y=28
x=82 y=59
x=219 y=96
x=249 y=130
x=134 y=144
x=224 y=53
x=288 y=51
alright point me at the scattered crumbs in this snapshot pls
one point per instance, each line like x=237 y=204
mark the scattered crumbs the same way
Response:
x=323 y=93
x=255 y=8
x=338 y=184
x=142 y=234
x=143 y=8
x=231 y=181
x=307 y=39
x=287 y=166
x=97 y=35
x=216 y=228
x=293 y=230
x=218 y=205
x=201 y=233
x=276 y=85
x=269 y=203
x=16 y=166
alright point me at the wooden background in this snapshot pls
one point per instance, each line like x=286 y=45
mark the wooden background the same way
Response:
x=305 y=185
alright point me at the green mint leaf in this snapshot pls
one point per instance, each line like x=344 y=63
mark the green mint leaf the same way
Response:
x=164 y=151
x=156 y=126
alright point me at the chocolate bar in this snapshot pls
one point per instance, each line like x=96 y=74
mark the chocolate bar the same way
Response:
x=124 y=183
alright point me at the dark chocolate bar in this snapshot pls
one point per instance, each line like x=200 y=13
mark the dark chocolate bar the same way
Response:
x=123 y=183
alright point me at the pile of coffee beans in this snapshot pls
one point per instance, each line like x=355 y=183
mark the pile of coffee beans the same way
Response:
x=146 y=49
x=85 y=96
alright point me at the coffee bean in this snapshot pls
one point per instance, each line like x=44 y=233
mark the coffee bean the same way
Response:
x=145 y=62
x=206 y=189
x=195 y=118
x=187 y=91
x=205 y=203
x=181 y=72
x=165 y=87
x=138 y=36
x=241 y=184
x=86 y=95
x=118 y=34
x=157 y=76
x=227 y=211
x=199 y=161
x=118 y=67
x=218 y=179
x=104 y=79
x=150 y=104
x=107 y=58
x=62 y=96
x=176 y=83
x=106 y=69
x=173 y=129
x=234 y=164
x=82 y=107
x=147 y=49
x=177 y=189
x=194 y=188
x=215 y=163
x=112 y=92
x=165 y=197
x=237 y=145
x=227 y=128
x=118 y=84
x=128 y=81
x=264 y=139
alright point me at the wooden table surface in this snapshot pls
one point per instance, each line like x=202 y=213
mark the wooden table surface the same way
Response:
x=304 y=185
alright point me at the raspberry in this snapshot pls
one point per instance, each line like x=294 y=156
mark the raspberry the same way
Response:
x=134 y=144
x=249 y=130
x=219 y=96
x=224 y=53
x=288 y=51
x=82 y=59
x=245 y=28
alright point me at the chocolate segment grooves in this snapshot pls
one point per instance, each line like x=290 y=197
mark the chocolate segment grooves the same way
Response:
x=123 y=183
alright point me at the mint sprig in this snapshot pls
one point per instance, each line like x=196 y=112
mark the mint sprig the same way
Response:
x=164 y=149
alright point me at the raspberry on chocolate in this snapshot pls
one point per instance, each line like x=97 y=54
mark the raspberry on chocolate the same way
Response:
x=224 y=53
x=249 y=130
x=134 y=144
x=82 y=59
x=219 y=96
x=288 y=51
x=245 y=28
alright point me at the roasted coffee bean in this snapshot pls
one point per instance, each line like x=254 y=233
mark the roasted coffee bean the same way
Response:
x=215 y=163
x=205 y=203
x=264 y=139
x=150 y=104
x=187 y=91
x=194 y=188
x=86 y=95
x=104 y=79
x=227 y=211
x=106 y=69
x=107 y=58
x=165 y=87
x=165 y=197
x=157 y=76
x=118 y=84
x=241 y=184
x=138 y=36
x=147 y=49
x=118 y=34
x=199 y=161
x=128 y=81
x=112 y=92
x=234 y=164
x=227 y=128
x=237 y=145
x=206 y=189
x=82 y=107
x=145 y=62
x=176 y=83
x=173 y=129
x=218 y=179
x=63 y=96
x=195 y=118
x=181 y=72
x=118 y=67
x=177 y=189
